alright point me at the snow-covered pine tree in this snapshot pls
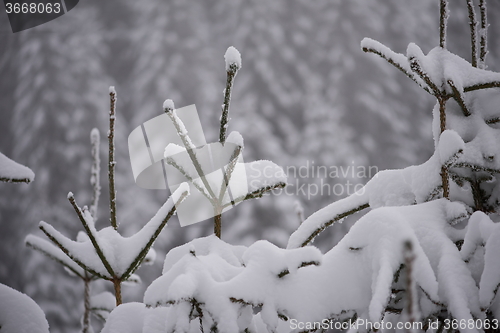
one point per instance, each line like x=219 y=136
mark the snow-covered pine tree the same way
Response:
x=236 y=181
x=105 y=254
x=425 y=253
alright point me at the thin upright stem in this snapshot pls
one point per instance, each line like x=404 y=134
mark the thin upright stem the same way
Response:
x=217 y=224
x=112 y=162
x=483 y=35
x=473 y=31
x=95 y=176
x=443 y=21
x=442 y=125
x=231 y=73
x=117 y=284
x=86 y=302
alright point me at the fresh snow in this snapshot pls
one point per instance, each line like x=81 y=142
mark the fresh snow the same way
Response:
x=236 y=138
x=119 y=251
x=19 y=313
x=168 y=105
x=356 y=276
x=232 y=57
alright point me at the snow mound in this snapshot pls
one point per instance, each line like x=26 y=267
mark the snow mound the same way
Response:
x=19 y=313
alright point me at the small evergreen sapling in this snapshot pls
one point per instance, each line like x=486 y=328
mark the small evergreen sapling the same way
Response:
x=105 y=253
x=218 y=192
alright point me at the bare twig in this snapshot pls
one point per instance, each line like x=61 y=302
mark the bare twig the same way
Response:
x=231 y=74
x=112 y=162
x=473 y=31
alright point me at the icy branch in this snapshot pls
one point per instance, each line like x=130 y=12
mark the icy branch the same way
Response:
x=62 y=242
x=188 y=144
x=415 y=57
x=88 y=225
x=233 y=64
x=145 y=238
x=398 y=60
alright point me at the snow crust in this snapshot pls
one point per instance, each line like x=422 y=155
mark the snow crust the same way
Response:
x=11 y=171
x=112 y=90
x=19 y=313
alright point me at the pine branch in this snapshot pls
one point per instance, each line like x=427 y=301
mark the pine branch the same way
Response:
x=48 y=230
x=140 y=257
x=487 y=85
x=90 y=233
x=391 y=57
x=168 y=107
x=229 y=171
x=32 y=244
x=333 y=220
x=473 y=31
x=443 y=22
x=112 y=162
x=15 y=180
x=256 y=194
x=231 y=70
x=417 y=68
x=172 y=162
x=460 y=98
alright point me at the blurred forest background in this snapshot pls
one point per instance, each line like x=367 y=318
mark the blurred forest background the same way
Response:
x=306 y=93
